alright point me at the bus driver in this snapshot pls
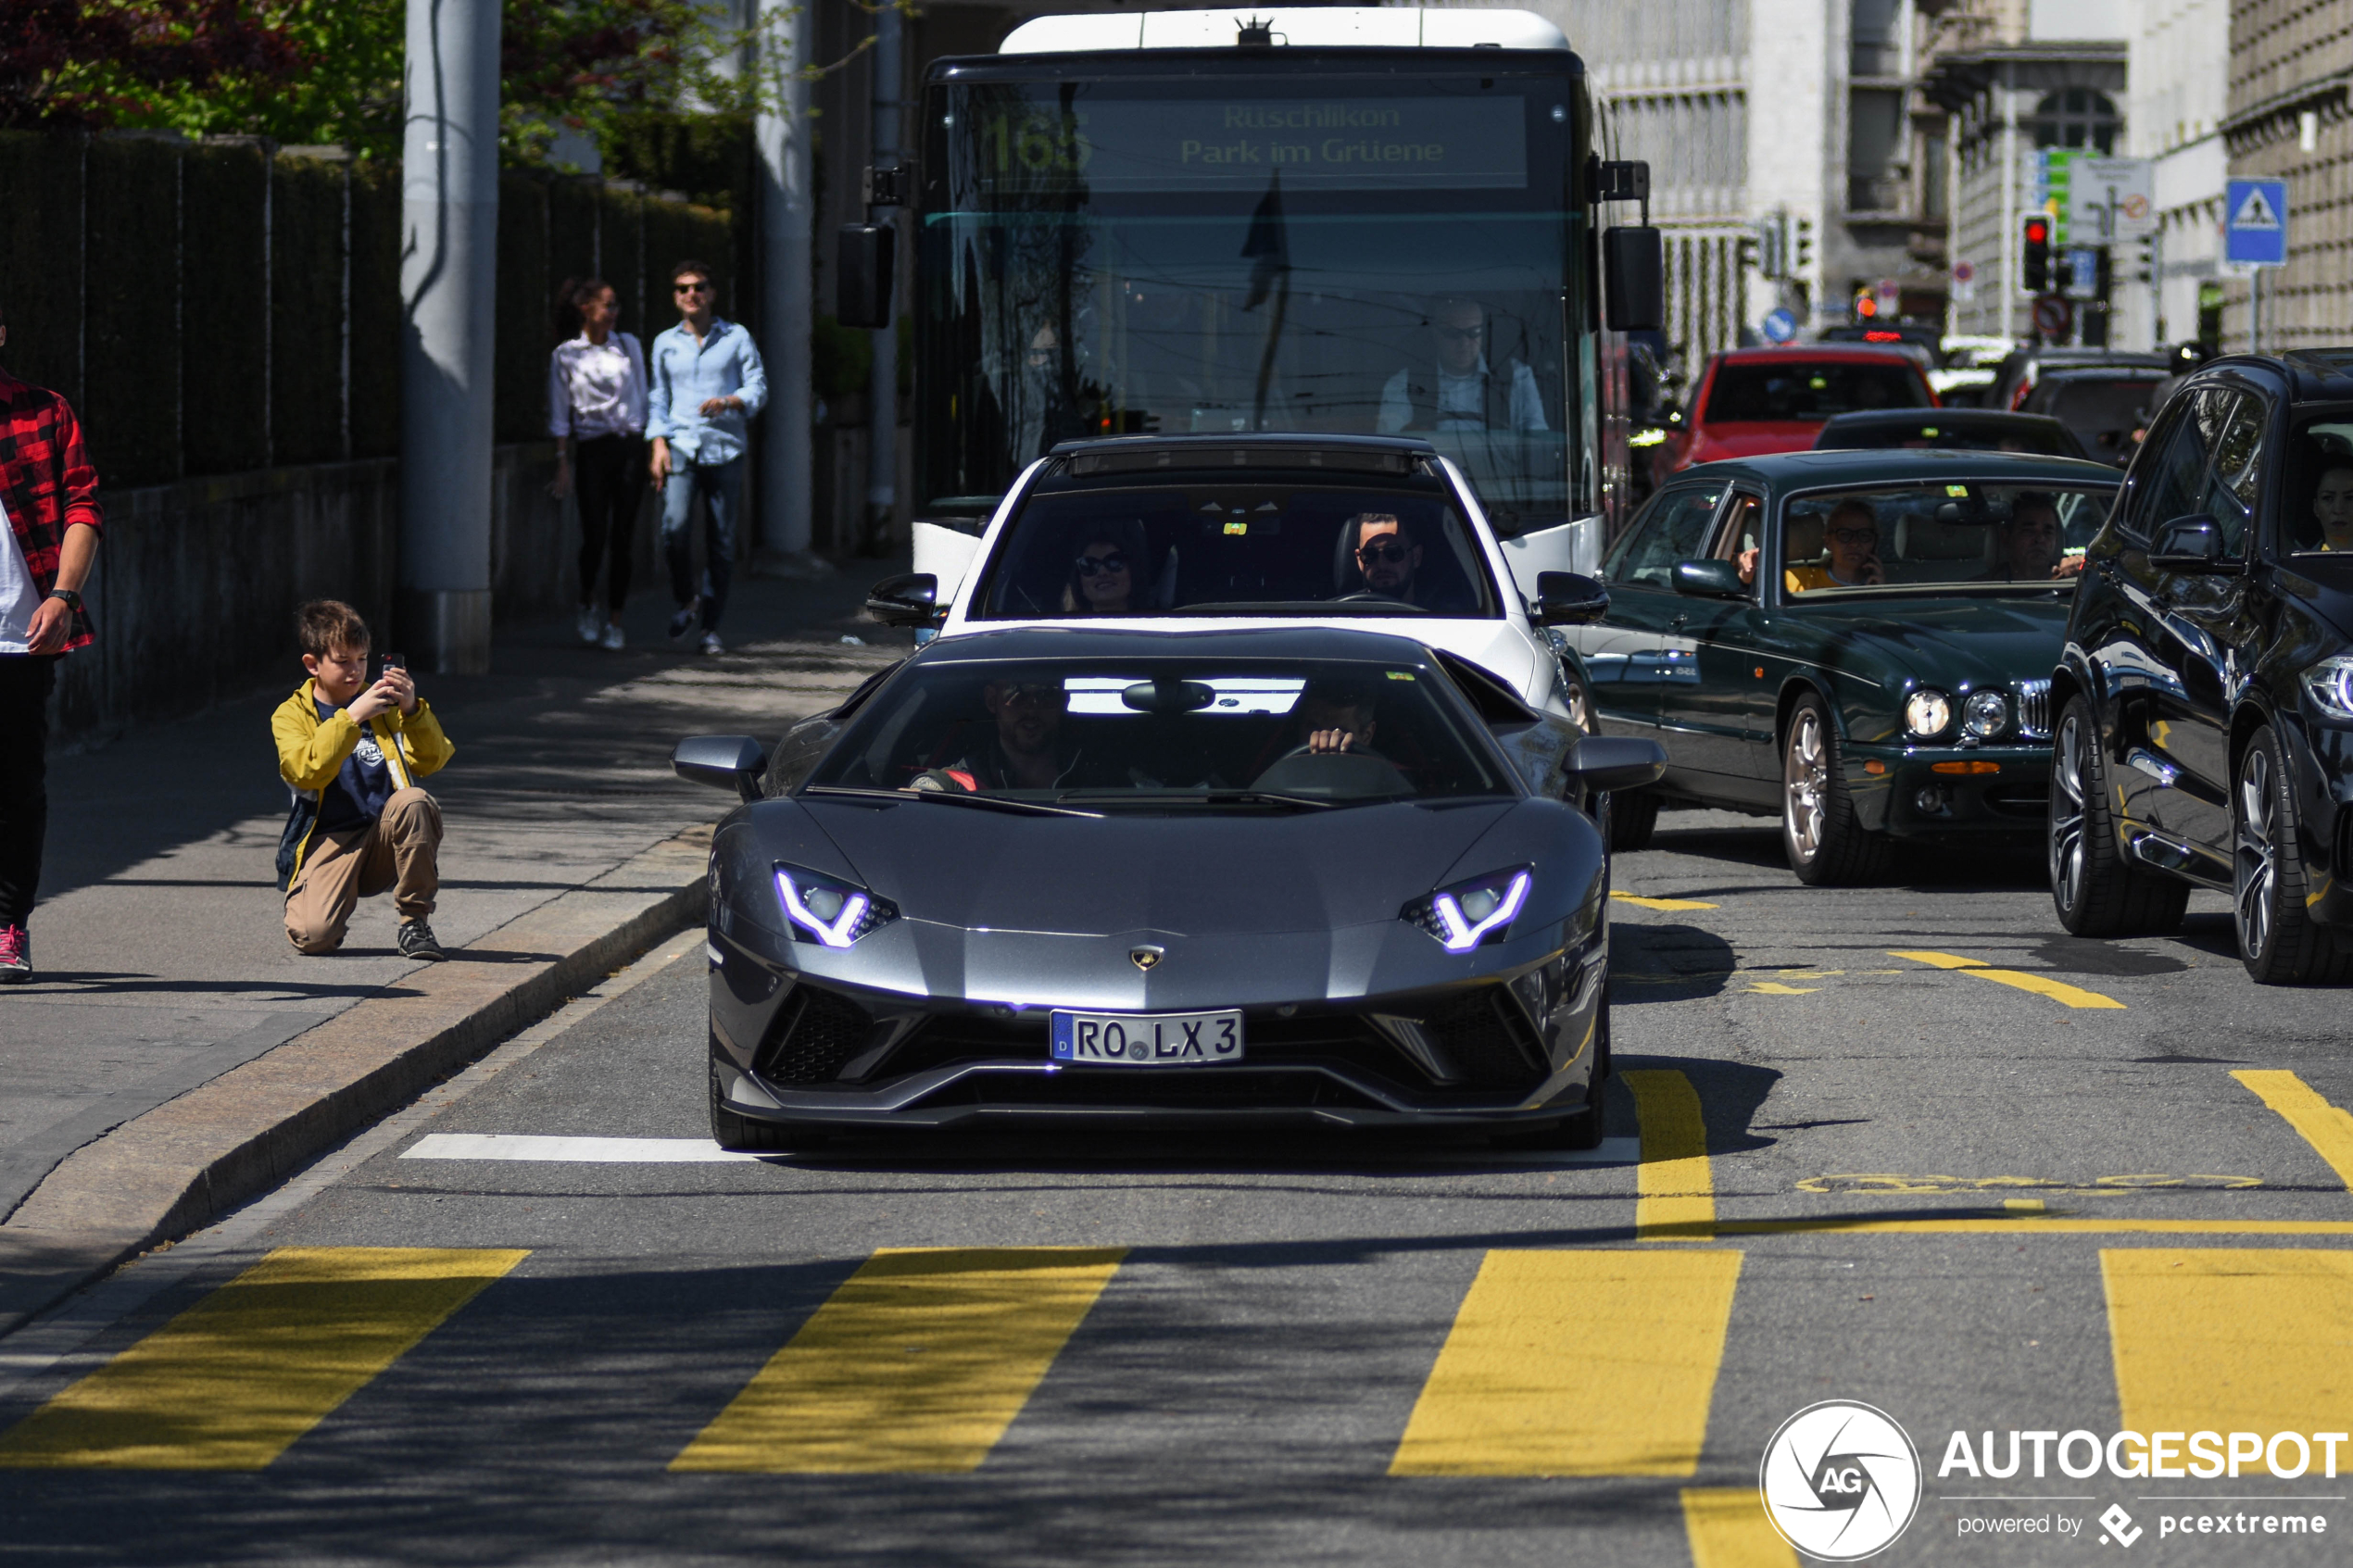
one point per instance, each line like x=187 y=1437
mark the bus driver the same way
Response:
x=1457 y=389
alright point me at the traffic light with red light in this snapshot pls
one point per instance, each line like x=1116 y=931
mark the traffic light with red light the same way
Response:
x=2038 y=254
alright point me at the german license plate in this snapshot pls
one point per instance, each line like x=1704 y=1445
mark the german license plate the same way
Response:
x=1147 y=1039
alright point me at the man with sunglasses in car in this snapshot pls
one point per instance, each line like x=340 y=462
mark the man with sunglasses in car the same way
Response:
x=1458 y=390
x=1024 y=752
x=706 y=382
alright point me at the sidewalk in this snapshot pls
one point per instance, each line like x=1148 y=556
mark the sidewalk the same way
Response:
x=162 y=961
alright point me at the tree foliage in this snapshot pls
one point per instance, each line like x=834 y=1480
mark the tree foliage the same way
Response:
x=97 y=62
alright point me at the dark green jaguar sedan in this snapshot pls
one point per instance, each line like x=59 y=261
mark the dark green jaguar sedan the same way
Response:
x=1861 y=642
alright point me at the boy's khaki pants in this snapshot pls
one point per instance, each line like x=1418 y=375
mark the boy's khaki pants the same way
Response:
x=399 y=850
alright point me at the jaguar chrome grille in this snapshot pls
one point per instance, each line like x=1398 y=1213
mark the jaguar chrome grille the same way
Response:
x=2034 y=710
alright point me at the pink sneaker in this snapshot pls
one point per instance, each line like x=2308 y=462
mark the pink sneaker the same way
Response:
x=16 y=955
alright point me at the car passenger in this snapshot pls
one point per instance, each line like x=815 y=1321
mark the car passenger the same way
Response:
x=1852 y=535
x=1108 y=576
x=2333 y=507
x=2033 y=545
x=1026 y=751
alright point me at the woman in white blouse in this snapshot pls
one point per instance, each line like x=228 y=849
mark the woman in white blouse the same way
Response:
x=597 y=412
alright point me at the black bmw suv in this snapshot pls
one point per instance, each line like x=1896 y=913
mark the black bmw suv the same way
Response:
x=2205 y=698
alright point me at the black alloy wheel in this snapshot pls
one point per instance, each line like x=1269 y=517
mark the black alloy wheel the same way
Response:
x=1826 y=846
x=2279 y=941
x=2096 y=890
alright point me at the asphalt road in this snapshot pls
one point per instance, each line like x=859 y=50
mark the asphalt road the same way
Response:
x=1956 y=1165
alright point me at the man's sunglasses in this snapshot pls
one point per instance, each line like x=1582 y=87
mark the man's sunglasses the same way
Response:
x=1382 y=550
x=1036 y=697
x=690 y=288
x=1089 y=565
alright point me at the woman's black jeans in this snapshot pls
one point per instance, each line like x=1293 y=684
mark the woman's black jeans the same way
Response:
x=609 y=471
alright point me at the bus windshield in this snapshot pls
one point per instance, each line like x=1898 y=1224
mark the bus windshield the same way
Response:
x=1172 y=255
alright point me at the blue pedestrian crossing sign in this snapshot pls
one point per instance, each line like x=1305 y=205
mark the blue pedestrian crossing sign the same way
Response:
x=2255 y=223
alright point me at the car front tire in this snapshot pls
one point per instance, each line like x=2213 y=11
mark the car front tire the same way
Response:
x=730 y=1130
x=1826 y=846
x=2095 y=889
x=1633 y=817
x=2279 y=941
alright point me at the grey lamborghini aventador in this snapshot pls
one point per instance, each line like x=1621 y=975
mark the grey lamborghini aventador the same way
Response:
x=1236 y=877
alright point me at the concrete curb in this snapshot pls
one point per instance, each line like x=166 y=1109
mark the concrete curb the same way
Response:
x=173 y=1169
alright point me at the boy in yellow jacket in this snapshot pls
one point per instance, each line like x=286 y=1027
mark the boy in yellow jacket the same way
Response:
x=351 y=752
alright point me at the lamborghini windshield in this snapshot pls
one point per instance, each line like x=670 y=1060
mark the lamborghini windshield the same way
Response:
x=1173 y=733
x=1229 y=540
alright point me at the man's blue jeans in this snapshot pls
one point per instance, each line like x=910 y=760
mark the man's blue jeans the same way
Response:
x=720 y=486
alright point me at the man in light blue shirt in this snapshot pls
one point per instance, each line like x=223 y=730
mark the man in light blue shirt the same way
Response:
x=706 y=386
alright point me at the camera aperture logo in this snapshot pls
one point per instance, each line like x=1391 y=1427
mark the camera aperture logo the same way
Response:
x=1840 y=1481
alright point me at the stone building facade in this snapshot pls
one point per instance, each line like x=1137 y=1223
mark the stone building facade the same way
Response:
x=2291 y=66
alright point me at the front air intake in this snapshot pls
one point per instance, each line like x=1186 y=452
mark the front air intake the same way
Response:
x=815 y=1033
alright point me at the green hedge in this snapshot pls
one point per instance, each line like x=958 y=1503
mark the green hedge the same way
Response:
x=41 y=261
x=305 y=312
x=525 y=325
x=131 y=335
x=375 y=308
x=572 y=233
x=619 y=244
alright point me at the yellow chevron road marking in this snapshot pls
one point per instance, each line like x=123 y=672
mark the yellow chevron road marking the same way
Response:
x=2238 y=1339
x=1676 y=1191
x=231 y=1383
x=1525 y=1386
x=918 y=1362
x=1728 y=1529
x=2326 y=1127
x=2041 y=984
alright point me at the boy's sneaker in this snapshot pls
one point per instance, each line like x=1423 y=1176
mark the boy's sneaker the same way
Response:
x=588 y=625
x=612 y=639
x=16 y=955
x=417 y=941
x=711 y=643
x=684 y=622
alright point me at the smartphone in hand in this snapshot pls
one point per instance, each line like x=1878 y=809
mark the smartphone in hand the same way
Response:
x=394 y=661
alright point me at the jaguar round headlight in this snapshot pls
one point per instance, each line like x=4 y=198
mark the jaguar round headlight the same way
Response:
x=1985 y=714
x=1928 y=712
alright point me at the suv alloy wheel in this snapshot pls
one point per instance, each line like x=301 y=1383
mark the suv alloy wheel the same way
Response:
x=2096 y=891
x=2279 y=941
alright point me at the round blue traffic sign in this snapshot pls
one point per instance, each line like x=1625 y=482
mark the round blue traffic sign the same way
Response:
x=1782 y=326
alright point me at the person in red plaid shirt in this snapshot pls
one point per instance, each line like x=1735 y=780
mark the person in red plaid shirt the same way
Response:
x=50 y=495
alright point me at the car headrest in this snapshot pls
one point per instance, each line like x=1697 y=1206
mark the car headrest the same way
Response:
x=1803 y=541
x=1924 y=538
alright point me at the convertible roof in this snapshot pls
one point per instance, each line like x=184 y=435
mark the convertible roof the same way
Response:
x=1793 y=470
x=1088 y=642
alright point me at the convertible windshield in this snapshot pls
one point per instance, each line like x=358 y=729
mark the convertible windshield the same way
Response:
x=1949 y=536
x=1206 y=544
x=1155 y=733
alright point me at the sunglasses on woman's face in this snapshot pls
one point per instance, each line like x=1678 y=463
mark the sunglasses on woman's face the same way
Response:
x=1854 y=535
x=1089 y=565
x=1381 y=550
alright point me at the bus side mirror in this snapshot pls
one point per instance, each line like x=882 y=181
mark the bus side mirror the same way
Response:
x=1633 y=280
x=863 y=272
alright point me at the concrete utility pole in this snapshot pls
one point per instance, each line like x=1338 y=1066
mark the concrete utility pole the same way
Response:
x=449 y=293
x=786 y=220
x=882 y=450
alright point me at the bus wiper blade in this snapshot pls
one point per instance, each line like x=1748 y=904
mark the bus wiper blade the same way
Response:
x=1205 y=797
x=952 y=797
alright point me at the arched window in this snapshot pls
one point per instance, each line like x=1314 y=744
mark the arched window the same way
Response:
x=2076 y=117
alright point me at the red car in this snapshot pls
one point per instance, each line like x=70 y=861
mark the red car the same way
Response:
x=1752 y=401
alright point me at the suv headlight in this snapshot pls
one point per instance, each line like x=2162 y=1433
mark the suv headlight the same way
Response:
x=2330 y=685
x=1928 y=712
x=1470 y=912
x=829 y=910
x=1985 y=714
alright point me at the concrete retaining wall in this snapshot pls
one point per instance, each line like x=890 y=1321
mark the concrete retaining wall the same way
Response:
x=197 y=582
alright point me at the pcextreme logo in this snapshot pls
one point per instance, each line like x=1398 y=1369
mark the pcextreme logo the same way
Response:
x=1840 y=1481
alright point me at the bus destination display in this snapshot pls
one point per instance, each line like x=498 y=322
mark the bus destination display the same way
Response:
x=1315 y=144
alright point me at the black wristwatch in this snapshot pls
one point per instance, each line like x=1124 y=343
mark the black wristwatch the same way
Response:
x=74 y=600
